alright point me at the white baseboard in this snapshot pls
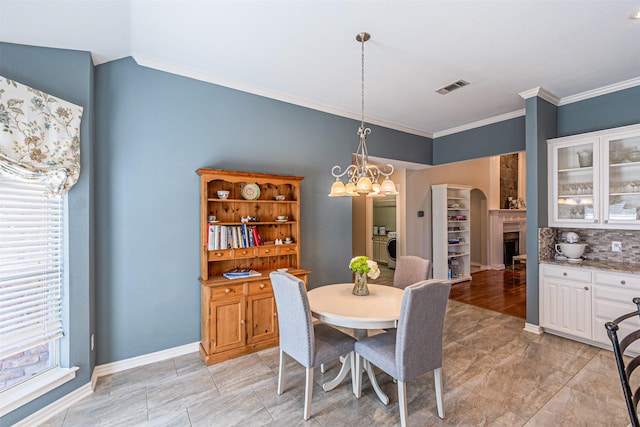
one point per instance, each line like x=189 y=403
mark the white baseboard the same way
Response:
x=145 y=359
x=56 y=407
x=534 y=329
x=65 y=402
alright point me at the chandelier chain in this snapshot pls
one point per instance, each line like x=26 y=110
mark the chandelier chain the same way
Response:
x=362 y=82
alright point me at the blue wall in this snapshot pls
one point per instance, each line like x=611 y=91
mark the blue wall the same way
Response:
x=541 y=124
x=612 y=110
x=154 y=129
x=491 y=140
x=68 y=75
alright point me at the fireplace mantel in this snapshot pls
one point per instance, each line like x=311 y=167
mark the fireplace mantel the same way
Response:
x=501 y=221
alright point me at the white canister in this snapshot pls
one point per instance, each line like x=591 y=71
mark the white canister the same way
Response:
x=375 y=229
x=382 y=230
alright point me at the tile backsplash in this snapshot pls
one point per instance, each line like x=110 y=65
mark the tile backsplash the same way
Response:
x=598 y=243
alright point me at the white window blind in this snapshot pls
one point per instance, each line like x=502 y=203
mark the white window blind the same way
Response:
x=31 y=262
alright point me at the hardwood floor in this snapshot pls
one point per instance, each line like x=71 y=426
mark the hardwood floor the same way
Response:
x=503 y=291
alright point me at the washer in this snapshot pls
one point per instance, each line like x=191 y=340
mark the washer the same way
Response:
x=391 y=249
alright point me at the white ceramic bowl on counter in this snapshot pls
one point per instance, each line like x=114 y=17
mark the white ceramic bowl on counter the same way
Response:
x=571 y=250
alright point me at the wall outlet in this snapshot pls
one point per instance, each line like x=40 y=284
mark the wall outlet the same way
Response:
x=616 y=246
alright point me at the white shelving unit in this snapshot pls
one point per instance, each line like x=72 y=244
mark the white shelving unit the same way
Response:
x=451 y=217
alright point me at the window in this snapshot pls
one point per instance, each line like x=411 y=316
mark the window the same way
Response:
x=31 y=281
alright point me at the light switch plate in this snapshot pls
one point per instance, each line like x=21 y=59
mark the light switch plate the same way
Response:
x=616 y=246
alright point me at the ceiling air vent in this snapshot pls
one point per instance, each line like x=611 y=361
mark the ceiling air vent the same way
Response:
x=453 y=86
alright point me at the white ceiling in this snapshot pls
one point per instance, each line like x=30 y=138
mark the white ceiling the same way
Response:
x=305 y=52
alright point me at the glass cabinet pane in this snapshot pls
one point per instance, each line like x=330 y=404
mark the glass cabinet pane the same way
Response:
x=576 y=182
x=623 y=167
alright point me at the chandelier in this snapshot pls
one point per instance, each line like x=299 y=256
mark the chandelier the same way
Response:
x=362 y=177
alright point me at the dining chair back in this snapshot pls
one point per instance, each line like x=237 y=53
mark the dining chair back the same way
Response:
x=409 y=270
x=415 y=347
x=309 y=344
x=626 y=370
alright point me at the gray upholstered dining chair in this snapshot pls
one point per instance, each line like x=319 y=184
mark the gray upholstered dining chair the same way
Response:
x=309 y=344
x=415 y=347
x=409 y=270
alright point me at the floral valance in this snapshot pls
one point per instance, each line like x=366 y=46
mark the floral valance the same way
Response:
x=39 y=136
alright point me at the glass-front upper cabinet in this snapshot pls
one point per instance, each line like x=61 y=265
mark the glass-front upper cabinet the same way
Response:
x=594 y=179
x=621 y=195
x=575 y=182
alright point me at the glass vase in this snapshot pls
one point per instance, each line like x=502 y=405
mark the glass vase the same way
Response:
x=360 y=285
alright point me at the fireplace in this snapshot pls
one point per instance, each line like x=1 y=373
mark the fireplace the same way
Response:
x=507 y=236
x=510 y=246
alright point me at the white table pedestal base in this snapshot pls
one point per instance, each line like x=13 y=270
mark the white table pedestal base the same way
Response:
x=356 y=365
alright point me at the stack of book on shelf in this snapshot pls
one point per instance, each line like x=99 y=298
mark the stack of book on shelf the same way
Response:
x=233 y=236
x=239 y=273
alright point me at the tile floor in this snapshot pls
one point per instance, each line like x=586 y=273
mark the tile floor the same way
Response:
x=494 y=374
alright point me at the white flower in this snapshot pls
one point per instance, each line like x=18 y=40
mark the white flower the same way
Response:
x=374 y=271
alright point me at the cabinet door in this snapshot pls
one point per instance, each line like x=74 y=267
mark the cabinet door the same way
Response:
x=566 y=307
x=261 y=312
x=574 y=183
x=228 y=330
x=621 y=189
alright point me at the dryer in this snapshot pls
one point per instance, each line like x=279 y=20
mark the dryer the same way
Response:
x=391 y=249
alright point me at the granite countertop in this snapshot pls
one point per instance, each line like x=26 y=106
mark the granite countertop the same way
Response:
x=621 y=267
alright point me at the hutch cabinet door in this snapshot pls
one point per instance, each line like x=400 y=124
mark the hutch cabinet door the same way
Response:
x=261 y=315
x=228 y=329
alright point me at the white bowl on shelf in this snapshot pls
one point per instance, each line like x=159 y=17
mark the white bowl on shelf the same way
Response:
x=223 y=194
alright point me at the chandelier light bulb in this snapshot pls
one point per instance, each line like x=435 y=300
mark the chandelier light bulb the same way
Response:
x=337 y=189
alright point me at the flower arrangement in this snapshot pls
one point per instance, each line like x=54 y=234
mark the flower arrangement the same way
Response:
x=363 y=265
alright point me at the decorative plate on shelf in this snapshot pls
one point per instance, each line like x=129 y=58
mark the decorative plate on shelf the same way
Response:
x=250 y=191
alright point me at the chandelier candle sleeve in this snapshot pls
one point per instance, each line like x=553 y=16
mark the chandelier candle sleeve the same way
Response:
x=363 y=177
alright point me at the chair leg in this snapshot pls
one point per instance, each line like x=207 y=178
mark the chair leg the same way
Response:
x=308 y=391
x=402 y=403
x=281 y=369
x=437 y=378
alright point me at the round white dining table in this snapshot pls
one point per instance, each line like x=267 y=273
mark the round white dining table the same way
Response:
x=336 y=305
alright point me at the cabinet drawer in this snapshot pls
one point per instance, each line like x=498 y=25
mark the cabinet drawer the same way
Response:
x=220 y=254
x=615 y=293
x=244 y=253
x=227 y=291
x=609 y=310
x=260 y=287
x=266 y=250
x=625 y=281
x=605 y=311
x=561 y=272
x=287 y=249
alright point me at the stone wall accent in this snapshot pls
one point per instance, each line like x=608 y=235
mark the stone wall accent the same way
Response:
x=508 y=178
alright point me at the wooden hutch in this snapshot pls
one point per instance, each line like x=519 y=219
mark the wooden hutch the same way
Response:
x=257 y=227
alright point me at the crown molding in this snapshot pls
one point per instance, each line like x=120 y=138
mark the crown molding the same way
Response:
x=600 y=91
x=480 y=123
x=541 y=93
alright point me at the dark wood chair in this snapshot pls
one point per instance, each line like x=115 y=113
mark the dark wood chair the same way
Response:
x=625 y=370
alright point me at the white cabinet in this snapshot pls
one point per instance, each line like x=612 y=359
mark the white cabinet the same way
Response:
x=576 y=302
x=451 y=218
x=594 y=179
x=612 y=297
x=380 y=248
x=565 y=300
